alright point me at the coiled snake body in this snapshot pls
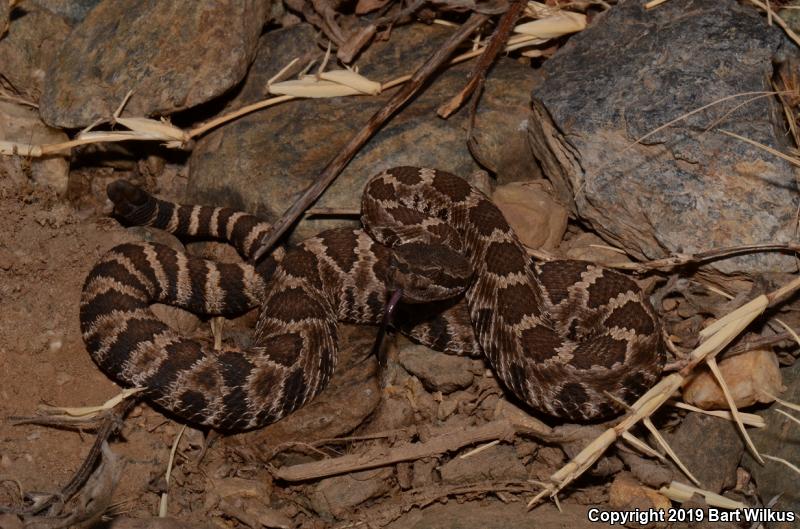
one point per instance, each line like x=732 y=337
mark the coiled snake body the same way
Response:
x=566 y=337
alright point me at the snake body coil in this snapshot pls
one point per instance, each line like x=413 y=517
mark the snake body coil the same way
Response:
x=562 y=336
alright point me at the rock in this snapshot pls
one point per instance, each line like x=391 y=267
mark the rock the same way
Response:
x=498 y=462
x=587 y=246
x=751 y=377
x=439 y=371
x=710 y=448
x=72 y=10
x=278 y=152
x=173 y=55
x=538 y=220
x=422 y=472
x=32 y=40
x=647 y=471
x=337 y=495
x=351 y=396
x=21 y=124
x=780 y=438
x=626 y=494
x=681 y=189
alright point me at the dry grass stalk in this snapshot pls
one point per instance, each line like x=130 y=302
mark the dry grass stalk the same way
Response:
x=750 y=419
x=791 y=159
x=681 y=492
x=88 y=412
x=712 y=364
x=162 y=505
x=778 y=20
x=641 y=446
x=668 y=449
x=653 y=3
x=781 y=460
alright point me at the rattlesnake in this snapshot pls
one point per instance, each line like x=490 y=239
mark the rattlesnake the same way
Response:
x=567 y=337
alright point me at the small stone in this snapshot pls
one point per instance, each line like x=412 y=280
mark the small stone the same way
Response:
x=538 y=220
x=6 y=461
x=498 y=462
x=336 y=495
x=423 y=472
x=437 y=371
x=751 y=377
x=239 y=487
x=627 y=494
x=55 y=346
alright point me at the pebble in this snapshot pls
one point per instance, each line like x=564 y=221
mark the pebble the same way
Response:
x=536 y=217
x=438 y=371
x=751 y=377
x=626 y=494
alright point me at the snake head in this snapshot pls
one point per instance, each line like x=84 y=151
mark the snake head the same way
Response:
x=131 y=202
x=429 y=272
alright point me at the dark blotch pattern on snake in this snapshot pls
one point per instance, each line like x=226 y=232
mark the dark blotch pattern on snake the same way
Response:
x=562 y=336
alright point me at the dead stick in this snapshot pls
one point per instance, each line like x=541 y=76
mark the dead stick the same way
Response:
x=478 y=74
x=332 y=170
x=500 y=429
x=110 y=424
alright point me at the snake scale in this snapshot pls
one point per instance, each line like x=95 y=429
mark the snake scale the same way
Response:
x=568 y=338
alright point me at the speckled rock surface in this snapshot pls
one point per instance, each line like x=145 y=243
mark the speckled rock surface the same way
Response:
x=681 y=189
x=25 y=51
x=173 y=55
x=264 y=161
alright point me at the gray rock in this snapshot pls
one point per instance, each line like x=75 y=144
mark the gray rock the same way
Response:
x=682 y=189
x=710 y=448
x=499 y=462
x=439 y=371
x=25 y=51
x=173 y=55
x=72 y=10
x=780 y=438
x=264 y=161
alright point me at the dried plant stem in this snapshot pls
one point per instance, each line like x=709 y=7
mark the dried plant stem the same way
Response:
x=682 y=259
x=477 y=76
x=380 y=118
x=381 y=456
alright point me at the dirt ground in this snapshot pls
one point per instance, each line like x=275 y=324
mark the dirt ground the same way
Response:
x=47 y=246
